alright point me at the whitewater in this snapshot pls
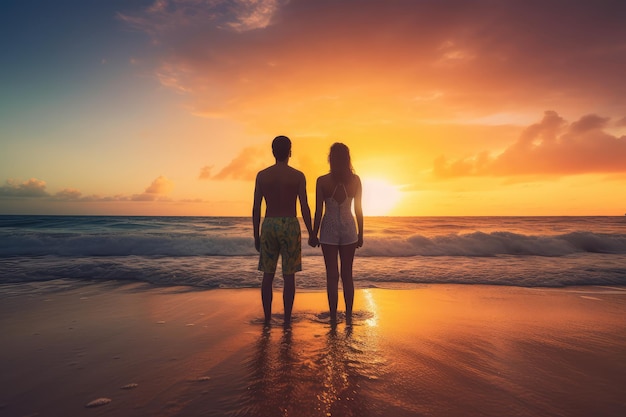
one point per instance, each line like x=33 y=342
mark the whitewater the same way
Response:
x=398 y=252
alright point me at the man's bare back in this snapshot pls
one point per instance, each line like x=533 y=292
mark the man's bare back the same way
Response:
x=281 y=185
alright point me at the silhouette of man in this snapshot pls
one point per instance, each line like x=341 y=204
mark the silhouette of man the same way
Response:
x=280 y=185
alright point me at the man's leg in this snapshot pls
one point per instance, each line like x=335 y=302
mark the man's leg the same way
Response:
x=289 y=293
x=267 y=294
x=291 y=256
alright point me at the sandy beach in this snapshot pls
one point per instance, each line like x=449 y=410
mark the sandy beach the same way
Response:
x=437 y=350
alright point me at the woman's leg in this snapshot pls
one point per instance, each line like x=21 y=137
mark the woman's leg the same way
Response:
x=332 y=278
x=346 y=254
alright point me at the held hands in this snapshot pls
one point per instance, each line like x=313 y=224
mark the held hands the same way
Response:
x=257 y=243
x=314 y=241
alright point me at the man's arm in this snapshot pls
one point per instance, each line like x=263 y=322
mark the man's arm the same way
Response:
x=304 y=205
x=256 y=213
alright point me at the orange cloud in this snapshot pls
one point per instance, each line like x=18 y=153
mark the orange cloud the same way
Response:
x=363 y=61
x=205 y=172
x=550 y=147
x=244 y=166
x=156 y=190
x=161 y=185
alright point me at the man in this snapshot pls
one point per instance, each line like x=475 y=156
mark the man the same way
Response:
x=280 y=185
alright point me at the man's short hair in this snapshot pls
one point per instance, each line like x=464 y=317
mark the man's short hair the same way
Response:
x=281 y=148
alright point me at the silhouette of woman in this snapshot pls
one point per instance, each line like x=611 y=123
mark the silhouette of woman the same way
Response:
x=338 y=234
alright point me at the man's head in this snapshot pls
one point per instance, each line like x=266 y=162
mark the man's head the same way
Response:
x=281 y=148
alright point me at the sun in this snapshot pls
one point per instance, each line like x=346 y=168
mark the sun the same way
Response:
x=379 y=197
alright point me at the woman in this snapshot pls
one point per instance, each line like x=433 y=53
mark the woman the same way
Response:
x=338 y=234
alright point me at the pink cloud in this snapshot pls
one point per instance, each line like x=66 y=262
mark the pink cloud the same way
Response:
x=550 y=147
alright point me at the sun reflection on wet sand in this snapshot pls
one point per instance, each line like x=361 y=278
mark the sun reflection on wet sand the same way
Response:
x=340 y=389
x=315 y=368
x=371 y=307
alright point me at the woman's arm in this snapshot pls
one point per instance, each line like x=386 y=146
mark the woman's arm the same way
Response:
x=358 y=210
x=319 y=208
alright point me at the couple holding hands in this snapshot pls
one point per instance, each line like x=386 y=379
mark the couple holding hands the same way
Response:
x=280 y=186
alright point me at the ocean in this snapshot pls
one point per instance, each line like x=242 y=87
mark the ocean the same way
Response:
x=398 y=252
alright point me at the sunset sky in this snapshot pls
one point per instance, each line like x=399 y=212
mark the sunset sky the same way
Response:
x=169 y=107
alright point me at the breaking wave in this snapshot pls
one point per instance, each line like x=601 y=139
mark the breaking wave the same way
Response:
x=477 y=244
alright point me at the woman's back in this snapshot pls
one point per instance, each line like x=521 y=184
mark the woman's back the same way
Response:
x=338 y=225
x=336 y=189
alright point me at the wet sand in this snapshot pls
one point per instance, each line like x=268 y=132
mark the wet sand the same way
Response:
x=436 y=350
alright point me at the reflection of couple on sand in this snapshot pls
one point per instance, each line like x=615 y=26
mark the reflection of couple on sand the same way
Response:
x=284 y=382
x=281 y=185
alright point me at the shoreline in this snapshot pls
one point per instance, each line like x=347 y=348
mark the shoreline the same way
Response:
x=34 y=288
x=440 y=349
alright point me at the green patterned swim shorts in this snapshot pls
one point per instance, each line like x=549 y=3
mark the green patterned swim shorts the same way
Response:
x=281 y=236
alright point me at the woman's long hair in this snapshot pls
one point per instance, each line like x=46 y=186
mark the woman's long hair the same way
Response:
x=340 y=165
